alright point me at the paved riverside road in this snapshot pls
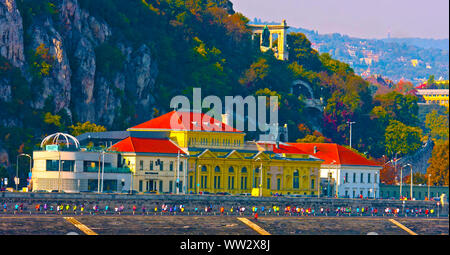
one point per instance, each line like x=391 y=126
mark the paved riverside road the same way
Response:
x=52 y=224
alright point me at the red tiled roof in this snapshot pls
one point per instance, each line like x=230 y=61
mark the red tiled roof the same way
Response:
x=189 y=121
x=330 y=152
x=289 y=149
x=149 y=145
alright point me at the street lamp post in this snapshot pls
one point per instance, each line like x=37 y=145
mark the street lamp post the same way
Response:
x=98 y=175
x=429 y=176
x=395 y=171
x=329 y=180
x=17 y=167
x=103 y=170
x=17 y=173
x=261 y=177
x=411 y=191
x=401 y=179
x=59 y=171
x=351 y=123
x=198 y=180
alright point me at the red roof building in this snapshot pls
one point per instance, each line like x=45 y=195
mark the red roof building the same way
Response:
x=186 y=121
x=147 y=145
x=330 y=152
x=344 y=173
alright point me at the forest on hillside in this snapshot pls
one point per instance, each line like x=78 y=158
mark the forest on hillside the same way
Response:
x=118 y=63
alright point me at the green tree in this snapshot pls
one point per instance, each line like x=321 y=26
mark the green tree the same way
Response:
x=401 y=138
x=81 y=128
x=418 y=178
x=256 y=73
x=437 y=125
x=51 y=119
x=301 y=52
x=109 y=59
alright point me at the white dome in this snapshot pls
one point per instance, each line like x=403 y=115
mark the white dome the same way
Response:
x=57 y=137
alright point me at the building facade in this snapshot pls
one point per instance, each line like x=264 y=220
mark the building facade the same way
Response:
x=213 y=157
x=79 y=171
x=433 y=96
x=344 y=173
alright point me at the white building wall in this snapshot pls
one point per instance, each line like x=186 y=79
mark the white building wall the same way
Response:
x=350 y=187
x=77 y=180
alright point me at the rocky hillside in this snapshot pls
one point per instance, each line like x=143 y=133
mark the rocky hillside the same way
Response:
x=118 y=63
x=71 y=36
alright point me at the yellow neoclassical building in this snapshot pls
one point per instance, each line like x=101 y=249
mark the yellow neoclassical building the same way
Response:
x=434 y=96
x=193 y=153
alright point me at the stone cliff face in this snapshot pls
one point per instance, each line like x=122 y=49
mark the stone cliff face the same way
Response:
x=11 y=33
x=73 y=84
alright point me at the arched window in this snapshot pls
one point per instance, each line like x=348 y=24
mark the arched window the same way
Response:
x=231 y=169
x=204 y=169
x=244 y=170
x=217 y=169
x=295 y=183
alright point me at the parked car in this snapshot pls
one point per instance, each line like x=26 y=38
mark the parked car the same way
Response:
x=245 y=194
x=151 y=192
x=223 y=193
x=40 y=191
x=133 y=192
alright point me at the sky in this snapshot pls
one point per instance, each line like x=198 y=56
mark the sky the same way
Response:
x=356 y=18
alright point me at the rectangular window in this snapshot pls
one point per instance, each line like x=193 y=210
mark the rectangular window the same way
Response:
x=161 y=166
x=204 y=182
x=295 y=183
x=268 y=183
x=90 y=166
x=141 y=165
x=346 y=178
x=312 y=184
x=160 y=186
x=243 y=182
x=67 y=165
x=191 y=183
x=171 y=166
x=181 y=166
x=140 y=186
x=151 y=164
x=52 y=165
x=354 y=177
x=180 y=186
x=368 y=178
x=362 y=178
x=376 y=177
x=170 y=186
x=278 y=184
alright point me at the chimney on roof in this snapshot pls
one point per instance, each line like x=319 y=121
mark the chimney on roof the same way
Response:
x=225 y=119
x=315 y=149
